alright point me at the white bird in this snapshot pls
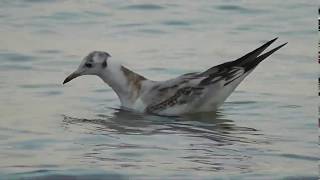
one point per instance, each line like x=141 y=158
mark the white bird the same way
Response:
x=188 y=93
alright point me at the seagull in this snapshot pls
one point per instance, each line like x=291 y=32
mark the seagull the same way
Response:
x=188 y=93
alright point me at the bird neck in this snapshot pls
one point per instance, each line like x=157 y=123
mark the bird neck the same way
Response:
x=126 y=83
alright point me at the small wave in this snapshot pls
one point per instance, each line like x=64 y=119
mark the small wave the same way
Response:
x=14 y=67
x=176 y=23
x=243 y=102
x=16 y=57
x=301 y=157
x=143 y=7
x=152 y=31
x=39 y=86
x=49 y=51
x=237 y=8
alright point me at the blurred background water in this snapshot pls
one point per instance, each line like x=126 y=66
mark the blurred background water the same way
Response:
x=266 y=130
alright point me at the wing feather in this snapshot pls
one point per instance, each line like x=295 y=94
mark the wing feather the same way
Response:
x=190 y=87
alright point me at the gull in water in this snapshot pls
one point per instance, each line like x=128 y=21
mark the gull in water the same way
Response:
x=189 y=93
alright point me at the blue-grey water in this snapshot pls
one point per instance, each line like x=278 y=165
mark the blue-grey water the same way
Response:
x=266 y=130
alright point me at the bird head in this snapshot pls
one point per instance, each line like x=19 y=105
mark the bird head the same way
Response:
x=93 y=64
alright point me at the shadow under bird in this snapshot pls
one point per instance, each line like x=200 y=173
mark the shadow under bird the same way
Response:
x=189 y=93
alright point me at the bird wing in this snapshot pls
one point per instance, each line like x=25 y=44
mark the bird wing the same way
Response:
x=190 y=88
x=178 y=91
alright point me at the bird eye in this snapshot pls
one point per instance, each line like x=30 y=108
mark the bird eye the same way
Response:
x=88 y=65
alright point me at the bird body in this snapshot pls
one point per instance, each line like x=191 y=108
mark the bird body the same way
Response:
x=188 y=93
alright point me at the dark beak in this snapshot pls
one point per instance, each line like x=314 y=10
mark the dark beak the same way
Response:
x=70 y=77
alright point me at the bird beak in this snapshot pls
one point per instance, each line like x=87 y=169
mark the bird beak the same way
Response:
x=71 y=76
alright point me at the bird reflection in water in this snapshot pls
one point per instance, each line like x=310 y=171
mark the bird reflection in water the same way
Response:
x=208 y=141
x=213 y=125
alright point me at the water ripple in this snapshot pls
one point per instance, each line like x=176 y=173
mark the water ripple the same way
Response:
x=254 y=135
x=239 y=9
x=143 y=7
x=39 y=86
x=208 y=140
x=49 y=51
x=176 y=23
x=16 y=57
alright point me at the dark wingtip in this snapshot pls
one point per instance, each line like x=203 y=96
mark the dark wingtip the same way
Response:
x=284 y=44
x=265 y=55
x=260 y=58
x=275 y=49
x=272 y=40
x=65 y=81
x=269 y=43
x=253 y=54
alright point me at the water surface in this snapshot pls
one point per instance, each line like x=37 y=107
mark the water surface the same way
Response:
x=266 y=129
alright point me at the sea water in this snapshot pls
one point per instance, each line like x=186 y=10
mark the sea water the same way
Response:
x=267 y=129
